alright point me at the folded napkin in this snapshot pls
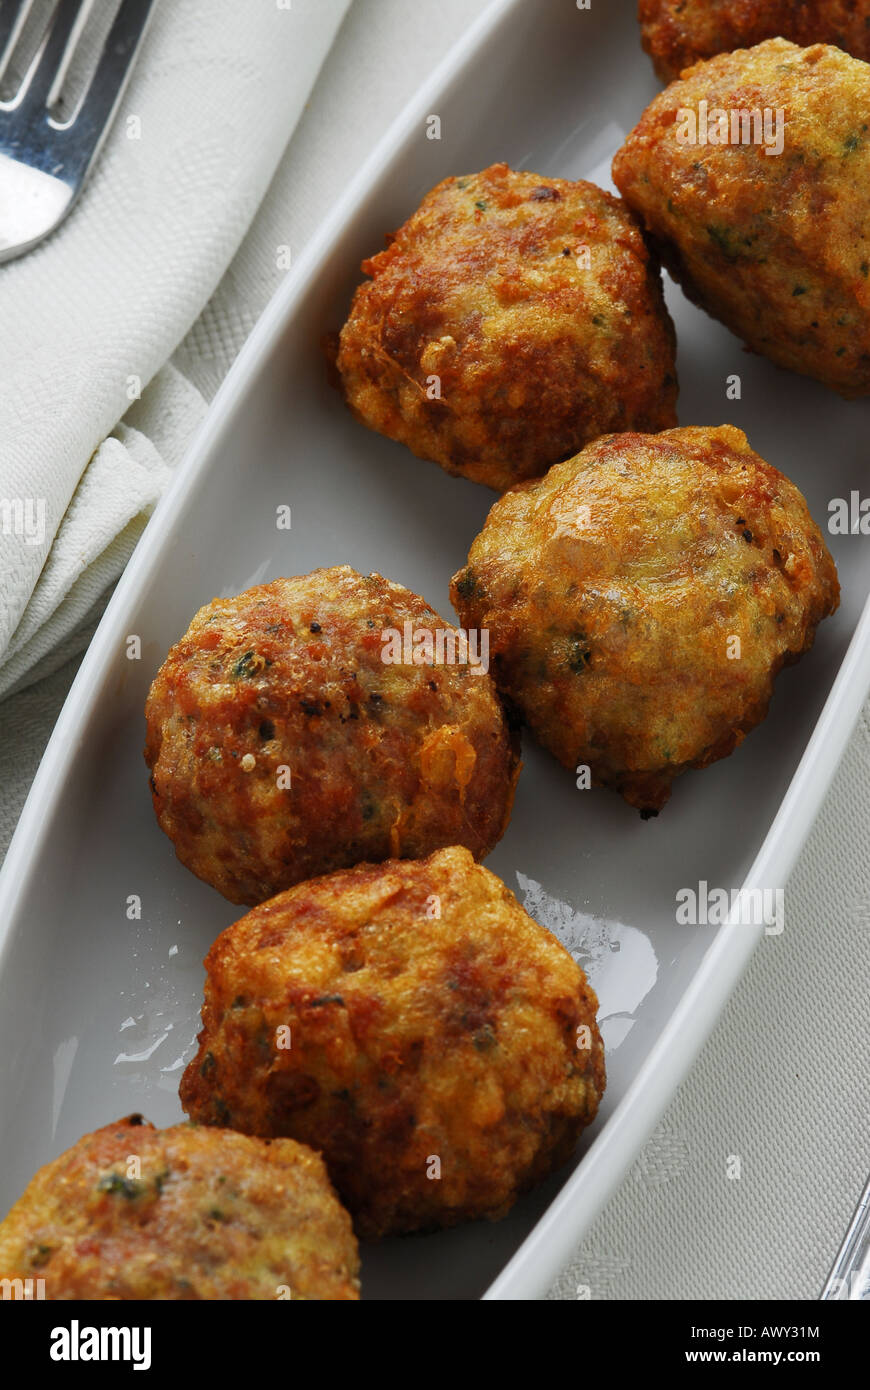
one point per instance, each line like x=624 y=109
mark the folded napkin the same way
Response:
x=90 y=318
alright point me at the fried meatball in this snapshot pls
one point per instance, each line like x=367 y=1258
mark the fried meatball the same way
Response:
x=677 y=33
x=511 y=319
x=641 y=598
x=777 y=246
x=283 y=743
x=415 y=1025
x=205 y=1214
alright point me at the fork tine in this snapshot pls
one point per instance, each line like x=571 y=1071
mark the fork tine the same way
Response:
x=10 y=14
x=59 y=32
x=49 y=155
x=115 y=64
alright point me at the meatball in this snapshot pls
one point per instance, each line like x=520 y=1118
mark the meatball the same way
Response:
x=134 y=1212
x=677 y=33
x=641 y=598
x=776 y=245
x=511 y=319
x=411 y=1022
x=285 y=740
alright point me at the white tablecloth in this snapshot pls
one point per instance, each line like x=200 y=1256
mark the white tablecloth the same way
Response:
x=783 y=1081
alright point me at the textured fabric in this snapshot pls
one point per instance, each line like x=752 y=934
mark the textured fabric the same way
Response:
x=93 y=313
x=103 y=522
x=783 y=1082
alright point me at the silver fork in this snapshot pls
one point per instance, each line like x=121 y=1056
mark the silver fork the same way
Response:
x=850 y=1277
x=44 y=161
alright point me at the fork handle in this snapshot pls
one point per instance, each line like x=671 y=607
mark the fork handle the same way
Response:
x=850 y=1276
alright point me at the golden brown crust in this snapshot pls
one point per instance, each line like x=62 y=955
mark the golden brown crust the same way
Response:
x=207 y=1215
x=487 y=288
x=385 y=760
x=677 y=33
x=776 y=246
x=429 y=1020
x=613 y=590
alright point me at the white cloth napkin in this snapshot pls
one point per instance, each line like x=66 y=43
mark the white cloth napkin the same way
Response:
x=91 y=316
